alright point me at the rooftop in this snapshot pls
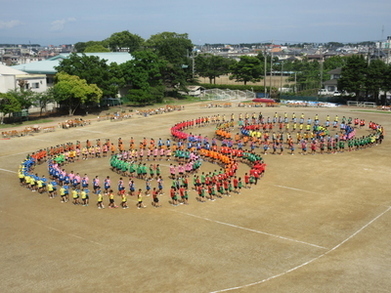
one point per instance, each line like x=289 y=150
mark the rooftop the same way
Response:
x=48 y=66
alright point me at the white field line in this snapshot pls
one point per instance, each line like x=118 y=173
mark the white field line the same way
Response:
x=5 y=170
x=59 y=231
x=307 y=262
x=295 y=189
x=253 y=230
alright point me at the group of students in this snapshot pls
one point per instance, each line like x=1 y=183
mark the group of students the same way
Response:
x=185 y=148
x=258 y=132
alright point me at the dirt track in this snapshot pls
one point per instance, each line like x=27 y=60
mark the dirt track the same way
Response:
x=313 y=224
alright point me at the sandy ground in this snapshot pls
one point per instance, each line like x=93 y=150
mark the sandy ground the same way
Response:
x=315 y=223
x=274 y=81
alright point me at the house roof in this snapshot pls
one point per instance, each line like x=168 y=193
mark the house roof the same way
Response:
x=331 y=82
x=7 y=70
x=335 y=71
x=48 y=66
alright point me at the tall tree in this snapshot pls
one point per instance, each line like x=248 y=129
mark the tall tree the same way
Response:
x=375 y=80
x=353 y=75
x=175 y=49
x=143 y=73
x=247 y=69
x=386 y=87
x=125 y=39
x=25 y=97
x=73 y=91
x=95 y=49
x=94 y=70
x=80 y=47
x=8 y=104
x=43 y=99
x=333 y=63
x=211 y=66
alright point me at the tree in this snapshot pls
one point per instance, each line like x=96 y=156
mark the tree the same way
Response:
x=8 y=104
x=43 y=99
x=143 y=73
x=125 y=39
x=374 y=81
x=174 y=48
x=353 y=75
x=387 y=83
x=333 y=63
x=330 y=64
x=80 y=47
x=25 y=97
x=74 y=91
x=96 y=49
x=140 y=96
x=211 y=66
x=94 y=70
x=248 y=69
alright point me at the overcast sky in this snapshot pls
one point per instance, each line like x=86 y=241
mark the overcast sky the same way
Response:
x=205 y=21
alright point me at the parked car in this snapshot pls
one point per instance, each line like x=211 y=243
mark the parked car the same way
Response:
x=322 y=92
x=337 y=94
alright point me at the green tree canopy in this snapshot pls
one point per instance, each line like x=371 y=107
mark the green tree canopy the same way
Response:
x=353 y=75
x=94 y=70
x=8 y=104
x=43 y=99
x=96 y=49
x=247 y=69
x=80 y=47
x=175 y=49
x=333 y=63
x=25 y=97
x=211 y=66
x=375 y=78
x=143 y=73
x=73 y=91
x=125 y=39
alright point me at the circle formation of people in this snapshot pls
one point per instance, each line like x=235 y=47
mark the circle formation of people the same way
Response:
x=183 y=155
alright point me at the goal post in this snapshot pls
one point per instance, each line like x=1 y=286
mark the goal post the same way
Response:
x=226 y=95
x=353 y=103
x=369 y=105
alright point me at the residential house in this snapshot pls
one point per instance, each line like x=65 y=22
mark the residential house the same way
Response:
x=12 y=79
x=47 y=66
x=331 y=84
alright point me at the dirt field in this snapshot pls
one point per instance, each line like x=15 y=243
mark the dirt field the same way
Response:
x=315 y=223
x=275 y=81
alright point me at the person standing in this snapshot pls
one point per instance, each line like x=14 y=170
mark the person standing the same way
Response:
x=111 y=199
x=155 y=198
x=124 y=200
x=84 y=196
x=99 y=194
x=140 y=199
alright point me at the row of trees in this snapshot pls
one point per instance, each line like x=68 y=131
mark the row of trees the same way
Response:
x=252 y=68
x=164 y=61
x=366 y=79
x=163 y=64
x=17 y=100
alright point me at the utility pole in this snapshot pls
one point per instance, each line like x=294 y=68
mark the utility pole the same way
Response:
x=295 y=82
x=321 y=71
x=193 y=64
x=271 y=68
x=282 y=70
x=265 y=65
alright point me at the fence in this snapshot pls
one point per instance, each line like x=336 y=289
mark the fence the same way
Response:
x=227 y=94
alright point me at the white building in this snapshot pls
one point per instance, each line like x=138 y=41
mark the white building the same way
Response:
x=12 y=79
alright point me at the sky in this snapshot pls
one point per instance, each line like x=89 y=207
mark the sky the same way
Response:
x=56 y=22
